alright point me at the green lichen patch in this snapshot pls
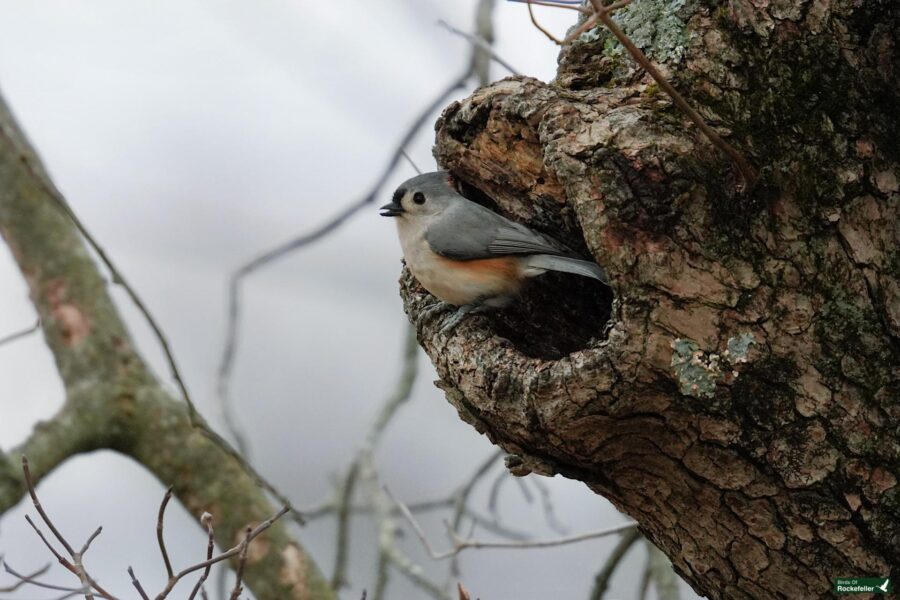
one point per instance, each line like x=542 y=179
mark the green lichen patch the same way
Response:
x=738 y=347
x=596 y=58
x=698 y=372
x=655 y=27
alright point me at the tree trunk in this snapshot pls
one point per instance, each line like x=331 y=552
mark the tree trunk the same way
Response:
x=738 y=393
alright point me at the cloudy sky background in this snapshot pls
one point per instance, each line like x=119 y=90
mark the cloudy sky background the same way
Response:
x=190 y=135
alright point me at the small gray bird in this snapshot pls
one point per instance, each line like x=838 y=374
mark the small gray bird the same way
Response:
x=466 y=254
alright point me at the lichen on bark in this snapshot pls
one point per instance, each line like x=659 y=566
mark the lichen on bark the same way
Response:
x=780 y=470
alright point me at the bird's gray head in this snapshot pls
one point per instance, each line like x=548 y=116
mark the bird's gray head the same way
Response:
x=423 y=195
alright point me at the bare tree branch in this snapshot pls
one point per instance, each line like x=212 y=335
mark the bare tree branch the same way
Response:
x=330 y=507
x=40 y=509
x=90 y=540
x=389 y=554
x=480 y=43
x=137 y=584
x=159 y=532
x=570 y=5
x=540 y=27
x=462 y=498
x=601 y=581
x=547 y=505
x=20 y=334
x=242 y=562
x=22 y=579
x=113 y=400
x=398 y=396
x=206 y=520
x=661 y=573
x=251 y=534
x=459 y=544
x=74 y=565
x=226 y=364
x=32 y=580
x=483 y=31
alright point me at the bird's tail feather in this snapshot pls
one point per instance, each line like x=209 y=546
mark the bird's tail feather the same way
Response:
x=547 y=262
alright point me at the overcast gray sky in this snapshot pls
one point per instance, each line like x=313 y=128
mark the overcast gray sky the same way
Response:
x=191 y=134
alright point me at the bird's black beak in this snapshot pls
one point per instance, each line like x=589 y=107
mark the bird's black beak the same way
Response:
x=391 y=209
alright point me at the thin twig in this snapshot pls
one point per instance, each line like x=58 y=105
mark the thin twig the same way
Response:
x=242 y=562
x=604 y=15
x=748 y=173
x=481 y=43
x=459 y=544
x=78 y=561
x=59 y=557
x=330 y=508
x=601 y=581
x=233 y=551
x=159 y=532
x=412 y=162
x=494 y=495
x=382 y=508
x=400 y=394
x=226 y=363
x=534 y=22
x=591 y=21
x=661 y=572
x=206 y=521
x=480 y=57
x=547 y=506
x=137 y=584
x=22 y=579
x=388 y=550
x=118 y=277
x=571 y=5
x=31 y=580
x=462 y=498
x=644 y=585
x=587 y=25
x=90 y=540
x=617 y=5
x=463 y=592
x=382 y=575
x=342 y=547
x=20 y=334
x=29 y=483
x=526 y=493
x=75 y=565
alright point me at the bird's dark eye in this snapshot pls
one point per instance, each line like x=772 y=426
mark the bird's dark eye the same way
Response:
x=419 y=198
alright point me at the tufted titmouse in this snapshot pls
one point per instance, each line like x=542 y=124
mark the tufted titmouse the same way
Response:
x=466 y=254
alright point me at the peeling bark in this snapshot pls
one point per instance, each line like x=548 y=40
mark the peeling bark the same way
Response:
x=740 y=394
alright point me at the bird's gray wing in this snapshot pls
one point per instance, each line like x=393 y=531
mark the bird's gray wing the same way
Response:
x=470 y=231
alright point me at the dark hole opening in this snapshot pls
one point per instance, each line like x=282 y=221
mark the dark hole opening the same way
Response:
x=557 y=313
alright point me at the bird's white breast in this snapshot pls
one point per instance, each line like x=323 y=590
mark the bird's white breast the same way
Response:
x=456 y=282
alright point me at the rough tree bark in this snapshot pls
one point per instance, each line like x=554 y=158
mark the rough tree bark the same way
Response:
x=113 y=400
x=740 y=394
